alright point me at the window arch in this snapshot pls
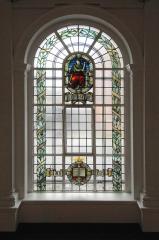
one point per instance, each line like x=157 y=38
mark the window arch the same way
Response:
x=79 y=112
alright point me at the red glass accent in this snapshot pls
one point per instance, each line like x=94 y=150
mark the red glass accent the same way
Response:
x=77 y=79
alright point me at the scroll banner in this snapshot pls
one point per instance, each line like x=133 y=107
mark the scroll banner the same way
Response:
x=79 y=97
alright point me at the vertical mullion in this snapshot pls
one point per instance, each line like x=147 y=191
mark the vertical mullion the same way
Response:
x=64 y=135
x=86 y=135
x=78 y=38
x=54 y=139
x=64 y=141
x=104 y=132
x=71 y=140
x=54 y=118
x=94 y=133
x=55 y=126
x=79 y=131
x=53 y=133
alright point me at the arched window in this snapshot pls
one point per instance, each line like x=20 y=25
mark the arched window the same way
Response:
x=78 y=109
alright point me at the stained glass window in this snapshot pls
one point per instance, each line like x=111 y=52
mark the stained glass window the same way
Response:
x=78 y=108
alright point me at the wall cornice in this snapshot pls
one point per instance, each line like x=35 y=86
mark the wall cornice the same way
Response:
x=109 y=4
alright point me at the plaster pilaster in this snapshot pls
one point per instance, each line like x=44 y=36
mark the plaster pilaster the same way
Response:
x=149 y=201
x=7 y=187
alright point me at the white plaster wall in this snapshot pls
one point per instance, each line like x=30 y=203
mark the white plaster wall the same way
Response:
x=139 y=24
x=27 y=36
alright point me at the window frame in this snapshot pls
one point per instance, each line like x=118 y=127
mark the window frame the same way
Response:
x=127 y=90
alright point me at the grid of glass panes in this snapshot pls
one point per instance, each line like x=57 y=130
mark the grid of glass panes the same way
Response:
x=56 y=142
x=78 y=130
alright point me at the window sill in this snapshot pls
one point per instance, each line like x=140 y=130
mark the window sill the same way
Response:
x=79 y=208
x=80 y=197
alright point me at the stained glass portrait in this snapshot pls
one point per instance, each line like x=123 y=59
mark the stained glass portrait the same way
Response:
x=78 y=79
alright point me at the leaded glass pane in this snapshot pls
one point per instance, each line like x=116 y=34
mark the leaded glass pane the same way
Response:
x=78 y=130
x=78 y=112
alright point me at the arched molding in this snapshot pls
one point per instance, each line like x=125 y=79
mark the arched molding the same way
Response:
x=89 y=14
